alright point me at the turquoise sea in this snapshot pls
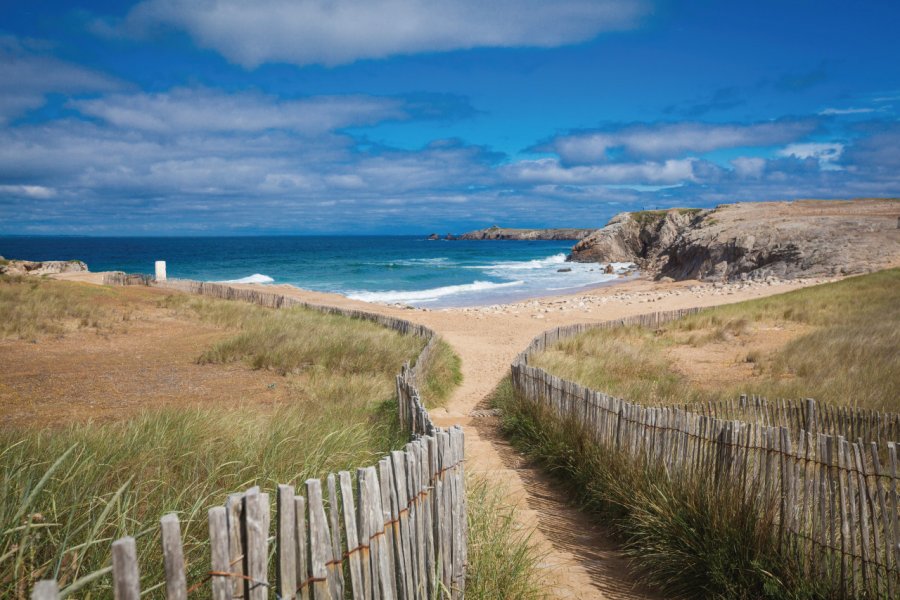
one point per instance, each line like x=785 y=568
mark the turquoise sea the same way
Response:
x=404 y=269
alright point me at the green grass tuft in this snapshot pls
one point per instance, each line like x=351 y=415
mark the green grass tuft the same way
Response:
x=502 y=561
x=444 y=375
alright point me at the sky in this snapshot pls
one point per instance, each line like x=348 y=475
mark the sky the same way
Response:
x=203 y=117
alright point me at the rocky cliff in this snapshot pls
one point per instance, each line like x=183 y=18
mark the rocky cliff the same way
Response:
x=753 y=240
x=47 y=267
x=506 y=233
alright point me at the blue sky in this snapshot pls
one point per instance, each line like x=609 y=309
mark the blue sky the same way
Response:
x=392 y=116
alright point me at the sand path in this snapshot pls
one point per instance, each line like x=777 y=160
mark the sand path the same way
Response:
x=580 y=560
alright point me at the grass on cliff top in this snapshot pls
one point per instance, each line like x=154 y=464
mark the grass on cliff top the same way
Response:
x=68 y=492
x=846 y=349
x=648 y=216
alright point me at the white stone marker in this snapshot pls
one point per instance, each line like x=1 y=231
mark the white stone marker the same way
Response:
x=160 y=270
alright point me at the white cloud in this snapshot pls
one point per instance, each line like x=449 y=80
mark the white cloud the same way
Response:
x=27 y=75
x=187 y=110
x=332 y=32
x=826 y=153
x=846 y=111
x=745 y=166
x=675 y=139
x=549 y=170
x=36 y=192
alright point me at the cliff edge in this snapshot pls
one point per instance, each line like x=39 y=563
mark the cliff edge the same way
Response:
x=804 y=238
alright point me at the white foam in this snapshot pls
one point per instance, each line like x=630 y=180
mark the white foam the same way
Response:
x=431 y=295
x=540 y=263
x=255 y=278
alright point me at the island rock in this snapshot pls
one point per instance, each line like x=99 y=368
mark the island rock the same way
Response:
x=507 y=233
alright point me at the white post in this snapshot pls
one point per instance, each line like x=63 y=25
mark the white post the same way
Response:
x=160 y=270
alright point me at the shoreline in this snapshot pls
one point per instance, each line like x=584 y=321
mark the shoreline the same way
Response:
x=625 y=291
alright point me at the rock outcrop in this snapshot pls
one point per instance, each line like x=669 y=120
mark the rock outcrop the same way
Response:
x=47 y=267
x=506 y=233
x=755 y=240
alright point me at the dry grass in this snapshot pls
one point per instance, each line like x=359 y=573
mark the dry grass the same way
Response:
x=67 y=492
x=31 y=307
x=843 y=347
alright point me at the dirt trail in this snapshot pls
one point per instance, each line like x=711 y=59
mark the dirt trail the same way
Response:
x=579 y=558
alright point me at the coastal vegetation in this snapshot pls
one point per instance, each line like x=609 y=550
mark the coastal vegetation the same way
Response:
x=33 y=306
x=838 y=342
x=69 y=490
x=686 y=536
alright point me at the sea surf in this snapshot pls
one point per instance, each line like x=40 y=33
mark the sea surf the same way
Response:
x=387 y=269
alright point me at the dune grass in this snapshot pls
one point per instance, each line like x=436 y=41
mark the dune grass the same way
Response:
x=847 y=351
x=443 y=375
x=31 y=307
x=685 y=536
x=502 y=560
x=68 y=492
x=297 y=340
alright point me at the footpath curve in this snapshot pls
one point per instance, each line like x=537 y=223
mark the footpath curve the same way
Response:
x=580 y=560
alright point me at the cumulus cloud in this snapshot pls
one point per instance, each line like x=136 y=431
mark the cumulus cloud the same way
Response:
x=186 y=110
x=333 y=32
x=826 y=153
x=673 y=139
x=749 y=166
x=549 y=170
x=28 y=74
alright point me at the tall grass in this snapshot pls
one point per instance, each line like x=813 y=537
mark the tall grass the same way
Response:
x=296 y=340
x=31 y=307
x=502 y=561
x=685 y=536
x=848 y=352
x=443 y=375
x=68 y=492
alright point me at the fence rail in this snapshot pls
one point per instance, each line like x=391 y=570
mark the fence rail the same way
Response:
x=826 y=475
x=397 y=530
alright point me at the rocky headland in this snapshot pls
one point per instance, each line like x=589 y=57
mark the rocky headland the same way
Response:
x=47 y=267
x=507 y=233
x=752 y=240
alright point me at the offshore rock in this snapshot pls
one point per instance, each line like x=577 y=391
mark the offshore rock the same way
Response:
x=507 y=233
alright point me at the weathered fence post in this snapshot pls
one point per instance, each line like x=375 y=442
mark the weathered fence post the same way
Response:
x=126 y=578
x=173 y=558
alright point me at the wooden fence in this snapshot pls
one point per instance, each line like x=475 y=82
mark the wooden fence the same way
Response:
x=397 y=530
x=121 y=278
x=825 y=476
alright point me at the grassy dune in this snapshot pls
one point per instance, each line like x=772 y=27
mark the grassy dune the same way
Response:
x=67 y=492
x=845 y=349
x=32 y=307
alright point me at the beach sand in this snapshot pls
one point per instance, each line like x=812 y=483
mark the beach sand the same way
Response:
x=580 y=559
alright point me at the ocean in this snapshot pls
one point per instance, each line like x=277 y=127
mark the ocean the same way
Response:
x=389 y=269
